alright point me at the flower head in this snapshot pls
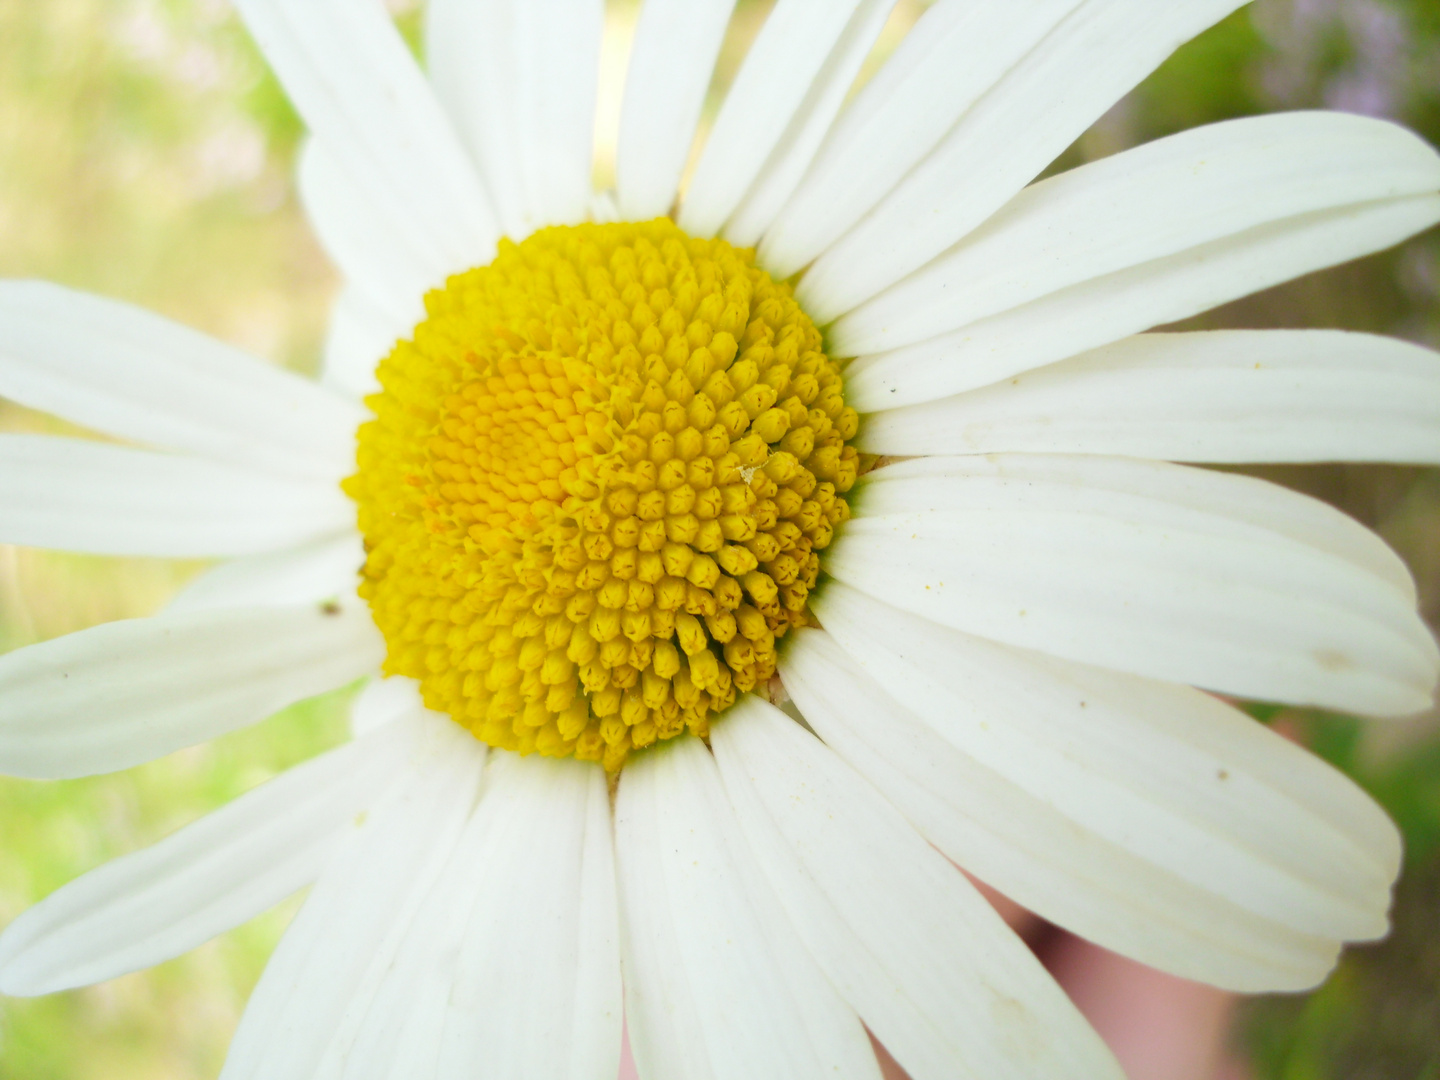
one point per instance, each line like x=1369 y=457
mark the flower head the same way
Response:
x=865 y=428
x=590 y=510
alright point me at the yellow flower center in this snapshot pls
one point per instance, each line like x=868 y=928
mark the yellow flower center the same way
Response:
x=595 y=488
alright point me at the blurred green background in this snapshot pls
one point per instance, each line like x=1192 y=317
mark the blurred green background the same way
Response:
x=146 y=154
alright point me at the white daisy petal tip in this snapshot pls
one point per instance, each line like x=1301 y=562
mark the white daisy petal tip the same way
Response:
x=1223 y=396
x=1151 y=235
x=1088 y=795
x=1211 y=579
x=1239 y=954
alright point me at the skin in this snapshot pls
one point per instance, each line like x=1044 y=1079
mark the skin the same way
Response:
x=1160 y=1027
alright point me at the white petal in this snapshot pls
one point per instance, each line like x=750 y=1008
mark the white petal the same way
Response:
x=1031 y=114
x=599 y=1020
x=536 y=981
x=1149 y=236
x=129 y=373
x=500 y=961
x=717 y=986
x=390 y=267
x=1155 y=201
x=913 y=947
x=1224 y=396
x=954 y=54
x=676 y=43
x=952 y=774
x=520 y=78
x=362 y=333
x=1097 y=560
x=783 y=170
x=777 y=74
x=603 y=210
x=325 y=570
x=125 y=692
x=350 y=76
x=384 y=701
x=393 y=1025
x=346 y=936
x=1181 y=779
x=513 y=957
x=79 y=495
x=1107 y=309
x=404 y=1041
x=1236 y=505
x=145 y=908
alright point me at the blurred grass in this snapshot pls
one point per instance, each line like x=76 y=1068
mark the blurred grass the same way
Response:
x=146 y=153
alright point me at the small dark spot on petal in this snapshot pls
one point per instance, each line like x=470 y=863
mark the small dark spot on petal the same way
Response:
x=330 y=607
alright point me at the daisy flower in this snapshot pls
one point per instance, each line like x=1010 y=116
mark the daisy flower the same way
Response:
x=739 y=562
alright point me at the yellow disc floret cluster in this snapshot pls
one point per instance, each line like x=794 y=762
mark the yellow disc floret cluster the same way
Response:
x=595 y=488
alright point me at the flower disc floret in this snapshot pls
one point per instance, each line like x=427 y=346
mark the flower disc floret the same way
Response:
x=596 y=486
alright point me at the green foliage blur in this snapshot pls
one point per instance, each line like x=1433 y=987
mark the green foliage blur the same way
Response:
x=146 y=153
